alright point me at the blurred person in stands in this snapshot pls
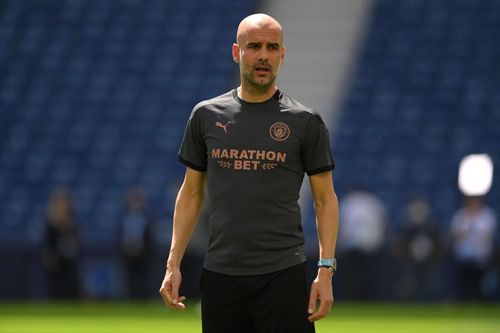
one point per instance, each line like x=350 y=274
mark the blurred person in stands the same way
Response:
x=136 y=243
x=418 y=247
x=192 y=261
x=472 y=232
x=61 y=245
x=361 y=238
x=250 y=148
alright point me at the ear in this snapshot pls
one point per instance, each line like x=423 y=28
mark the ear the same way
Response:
x=283 y=55
x=236 y=53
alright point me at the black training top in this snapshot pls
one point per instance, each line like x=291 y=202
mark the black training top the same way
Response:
x=255 y=156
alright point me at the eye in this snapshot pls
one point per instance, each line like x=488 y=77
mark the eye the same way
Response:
x=253 y=46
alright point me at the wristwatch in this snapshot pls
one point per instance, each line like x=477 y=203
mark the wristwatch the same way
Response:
x=331 y=264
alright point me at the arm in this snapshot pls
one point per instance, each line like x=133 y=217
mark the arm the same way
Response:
x=186 y=213
x=327 y=221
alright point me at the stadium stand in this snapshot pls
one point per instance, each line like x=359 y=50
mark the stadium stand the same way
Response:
x=423 y=95
x=94 y=96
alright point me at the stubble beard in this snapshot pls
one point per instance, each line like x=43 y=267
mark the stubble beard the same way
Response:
x=254 y=84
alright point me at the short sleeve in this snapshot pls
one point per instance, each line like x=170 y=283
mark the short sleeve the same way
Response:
x=193 y=151
x=316 y=150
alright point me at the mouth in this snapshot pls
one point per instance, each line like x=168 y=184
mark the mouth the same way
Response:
x=262 y=69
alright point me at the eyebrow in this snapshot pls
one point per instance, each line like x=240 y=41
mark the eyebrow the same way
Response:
x=272 y=44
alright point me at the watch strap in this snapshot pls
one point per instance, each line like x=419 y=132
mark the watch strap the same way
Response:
x=330 y=263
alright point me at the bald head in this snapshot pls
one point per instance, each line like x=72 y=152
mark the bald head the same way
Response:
x=259 y=51
x=257 y=22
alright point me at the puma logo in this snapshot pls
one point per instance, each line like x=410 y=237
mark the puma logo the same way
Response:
x=224 y=127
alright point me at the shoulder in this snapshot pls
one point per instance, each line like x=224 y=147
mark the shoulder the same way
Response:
x=458 y=216
x=289 y=104
x=216 y=103
x=292 y=106
x=490 y=215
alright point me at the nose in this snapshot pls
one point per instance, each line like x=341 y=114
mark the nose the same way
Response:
x=263 y=55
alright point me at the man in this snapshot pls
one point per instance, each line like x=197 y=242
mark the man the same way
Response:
x=251 y=146
x=360 y=242
x=136 y=243
x=473 y=242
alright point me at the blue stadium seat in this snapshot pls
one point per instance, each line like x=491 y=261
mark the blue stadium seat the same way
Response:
x=95 y=96
x=424 y=94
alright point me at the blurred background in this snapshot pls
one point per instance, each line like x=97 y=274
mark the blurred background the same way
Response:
x=95 y=95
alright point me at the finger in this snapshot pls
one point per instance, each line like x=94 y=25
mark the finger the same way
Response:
x=324 y=308
x=165 y=295
x=315 y=316
x=167 y=299
x=166 y=292
x=180 y=304
x=174 y=292
x=313 y=298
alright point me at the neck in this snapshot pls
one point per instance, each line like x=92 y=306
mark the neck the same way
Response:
x=255 y=96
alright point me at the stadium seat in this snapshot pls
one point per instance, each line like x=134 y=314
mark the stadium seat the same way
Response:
x=423 y=94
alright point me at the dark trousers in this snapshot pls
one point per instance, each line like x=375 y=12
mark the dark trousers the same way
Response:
x=470 y=276
x=269 y=303
x=63 y=283
x=360 y=273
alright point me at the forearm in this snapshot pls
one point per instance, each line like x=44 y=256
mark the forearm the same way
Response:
x=186 y=213
x=327 y=223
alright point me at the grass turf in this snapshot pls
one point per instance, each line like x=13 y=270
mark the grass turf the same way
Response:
x=153 y=317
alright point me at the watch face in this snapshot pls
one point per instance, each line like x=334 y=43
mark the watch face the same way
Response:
x=327 y=262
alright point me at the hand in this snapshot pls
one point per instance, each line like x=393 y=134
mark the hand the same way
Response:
x=321 y=289
x=169 y=289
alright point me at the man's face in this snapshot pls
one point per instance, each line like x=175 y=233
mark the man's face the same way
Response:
x=259 y=53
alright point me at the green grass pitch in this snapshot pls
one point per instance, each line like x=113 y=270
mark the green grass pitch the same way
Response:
x=153 y=317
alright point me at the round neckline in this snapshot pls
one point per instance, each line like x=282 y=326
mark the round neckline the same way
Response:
x=275 y=96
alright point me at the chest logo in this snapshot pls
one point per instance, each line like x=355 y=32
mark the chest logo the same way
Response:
x=279 y=131
x=221 y=125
